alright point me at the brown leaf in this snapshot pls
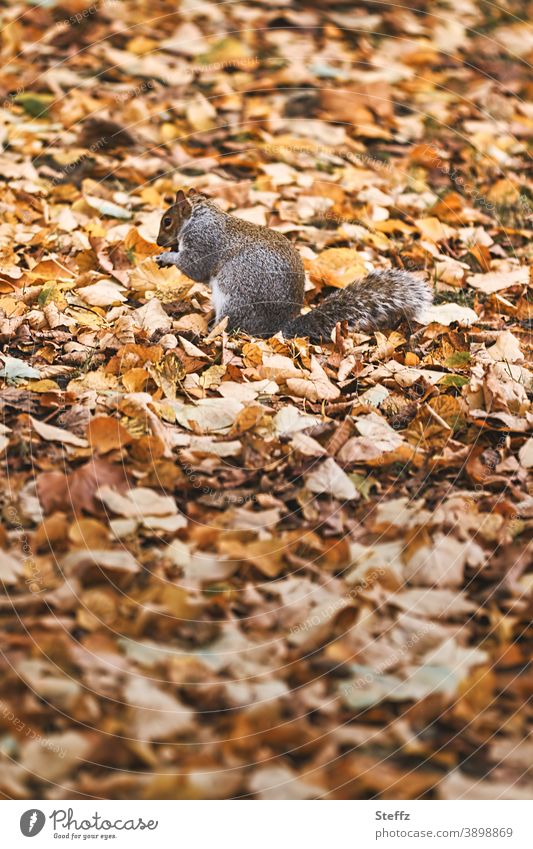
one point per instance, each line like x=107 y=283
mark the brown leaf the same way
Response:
x=77 y=491
x=105 y=434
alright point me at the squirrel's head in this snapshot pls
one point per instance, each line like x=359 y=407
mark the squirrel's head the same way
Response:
x=175 y=217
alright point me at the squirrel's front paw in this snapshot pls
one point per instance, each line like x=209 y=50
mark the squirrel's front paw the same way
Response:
x=166 y=258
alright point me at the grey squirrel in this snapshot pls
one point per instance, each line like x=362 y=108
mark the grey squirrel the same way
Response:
x=257 y=277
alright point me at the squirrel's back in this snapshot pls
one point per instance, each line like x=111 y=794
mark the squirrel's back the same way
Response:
x=238 y=234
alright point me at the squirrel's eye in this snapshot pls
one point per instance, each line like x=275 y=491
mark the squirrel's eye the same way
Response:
x=167 y=221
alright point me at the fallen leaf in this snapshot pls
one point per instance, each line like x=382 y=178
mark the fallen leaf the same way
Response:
x=11 y=568
x=57 y=434
x=448 y=314
x=338 y=267
x=107 y=207
x=106 y=434
x=330 y=479
x=495 y=281
x=506 y=348
x=16 y=370
x=155 y=714
x=102 y=294
x=138 y=503
x=152 y=317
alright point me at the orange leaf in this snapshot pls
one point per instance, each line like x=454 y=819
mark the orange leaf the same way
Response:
x=105 y=434
x=337 y=267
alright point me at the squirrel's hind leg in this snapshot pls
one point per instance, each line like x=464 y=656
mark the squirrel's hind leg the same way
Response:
x=247 y=320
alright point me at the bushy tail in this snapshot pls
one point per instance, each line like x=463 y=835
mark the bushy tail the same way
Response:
x=380 y=300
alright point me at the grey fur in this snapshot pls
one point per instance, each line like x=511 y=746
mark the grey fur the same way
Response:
x=168 y=258
x=257 y=279
x=381 y=299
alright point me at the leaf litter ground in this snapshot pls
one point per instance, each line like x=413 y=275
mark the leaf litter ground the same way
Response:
x=236 y=567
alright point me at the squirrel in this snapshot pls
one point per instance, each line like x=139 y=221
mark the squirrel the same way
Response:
x=257 y=276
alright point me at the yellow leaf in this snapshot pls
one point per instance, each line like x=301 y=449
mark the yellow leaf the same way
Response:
x=252 y=355
x=393 y=225
x=387 y=345
x=148 y=277
x=85 y=317
x=151 y=197
x=42 y=386
x=337 y=267
x=201 y=114
x=50 y=269
x=503 y=193
x=247 y=419
x=434 y=230
x=212 y=376
x=134 y=242
x=140 y=45
x=9 y=305
x=134 y=379
x=225 y=51
x=88 y=533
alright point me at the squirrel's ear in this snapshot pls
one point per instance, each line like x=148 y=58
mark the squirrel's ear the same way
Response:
x=180 y=196
x=195 y=195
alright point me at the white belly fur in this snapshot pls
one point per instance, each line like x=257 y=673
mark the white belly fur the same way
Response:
x=218 y=298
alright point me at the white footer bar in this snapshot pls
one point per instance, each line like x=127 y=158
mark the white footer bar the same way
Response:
x=269 y=824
